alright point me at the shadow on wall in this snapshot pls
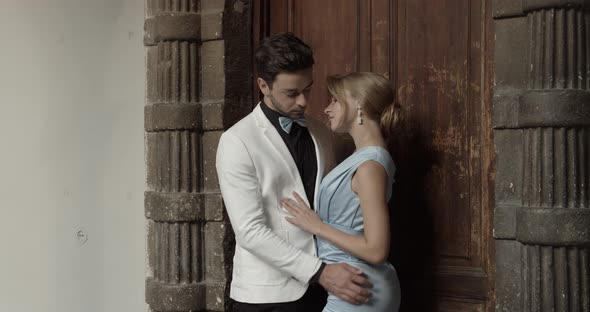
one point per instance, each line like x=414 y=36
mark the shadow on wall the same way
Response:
x=412 y=243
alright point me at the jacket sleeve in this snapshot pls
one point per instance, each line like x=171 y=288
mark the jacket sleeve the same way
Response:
x=243 y=201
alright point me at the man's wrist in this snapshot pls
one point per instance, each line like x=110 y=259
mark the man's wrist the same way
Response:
x=315 y=279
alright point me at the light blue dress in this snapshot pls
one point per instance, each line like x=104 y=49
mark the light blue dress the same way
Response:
x=339 y=207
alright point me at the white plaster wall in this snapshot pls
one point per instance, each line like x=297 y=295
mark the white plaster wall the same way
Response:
x=71 y=155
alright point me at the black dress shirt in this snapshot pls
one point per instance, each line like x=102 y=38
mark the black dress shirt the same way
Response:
x=300 y=144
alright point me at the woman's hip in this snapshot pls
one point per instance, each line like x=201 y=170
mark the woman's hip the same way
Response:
x=386 y=292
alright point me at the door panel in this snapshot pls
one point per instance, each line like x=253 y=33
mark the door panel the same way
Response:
x=437 y=55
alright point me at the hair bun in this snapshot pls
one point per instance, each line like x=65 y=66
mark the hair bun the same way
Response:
x=390 y=118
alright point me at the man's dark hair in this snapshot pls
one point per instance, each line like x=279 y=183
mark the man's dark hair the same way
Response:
x=282 y=52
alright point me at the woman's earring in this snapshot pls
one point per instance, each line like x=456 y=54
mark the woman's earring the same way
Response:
x=359 y=116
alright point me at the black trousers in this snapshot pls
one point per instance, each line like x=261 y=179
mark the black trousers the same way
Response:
x=313 y=300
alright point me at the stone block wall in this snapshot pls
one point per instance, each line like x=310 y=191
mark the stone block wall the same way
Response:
x=198 y=84
x=542 y=136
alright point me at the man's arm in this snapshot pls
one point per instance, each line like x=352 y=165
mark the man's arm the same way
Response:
x=243 y=200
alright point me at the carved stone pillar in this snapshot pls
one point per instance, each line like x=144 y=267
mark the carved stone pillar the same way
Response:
x=542 y=122
x=198 y=84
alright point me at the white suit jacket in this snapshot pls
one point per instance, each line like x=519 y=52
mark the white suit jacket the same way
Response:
x=274 y=260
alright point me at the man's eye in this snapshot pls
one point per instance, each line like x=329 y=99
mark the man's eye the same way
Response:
x=292 y=94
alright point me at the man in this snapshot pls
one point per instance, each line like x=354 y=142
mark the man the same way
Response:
x=260 y=160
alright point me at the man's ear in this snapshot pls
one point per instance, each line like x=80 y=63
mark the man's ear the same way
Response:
x=263 y=86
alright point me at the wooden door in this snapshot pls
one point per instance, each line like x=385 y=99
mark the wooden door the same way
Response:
x=438 y=56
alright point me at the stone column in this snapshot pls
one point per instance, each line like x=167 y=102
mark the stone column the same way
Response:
x=198 y=84
x=542 y=135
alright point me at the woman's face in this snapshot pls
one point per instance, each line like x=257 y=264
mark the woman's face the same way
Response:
x=341 y=115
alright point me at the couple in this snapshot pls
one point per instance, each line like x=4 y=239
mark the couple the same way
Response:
x=299 y=231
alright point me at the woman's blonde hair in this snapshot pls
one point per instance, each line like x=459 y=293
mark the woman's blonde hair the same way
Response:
x=375 y=95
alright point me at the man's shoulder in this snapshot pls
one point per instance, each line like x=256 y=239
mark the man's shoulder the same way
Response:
x=243 y=127
x=235 y=140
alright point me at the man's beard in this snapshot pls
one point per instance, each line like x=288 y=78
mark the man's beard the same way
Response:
x=276 y=106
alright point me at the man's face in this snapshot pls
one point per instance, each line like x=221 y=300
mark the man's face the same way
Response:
x=289 y=93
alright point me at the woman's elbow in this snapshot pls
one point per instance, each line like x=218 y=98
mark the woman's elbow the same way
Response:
x=378 y=257
x=376 y=260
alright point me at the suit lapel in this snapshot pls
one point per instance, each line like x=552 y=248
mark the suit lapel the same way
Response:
x=278 y=145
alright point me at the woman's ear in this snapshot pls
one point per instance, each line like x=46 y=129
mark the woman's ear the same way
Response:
x=263 y=86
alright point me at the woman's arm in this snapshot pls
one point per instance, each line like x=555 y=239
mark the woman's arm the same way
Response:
x=369 y=183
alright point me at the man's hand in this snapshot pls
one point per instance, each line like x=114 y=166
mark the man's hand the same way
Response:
x=346 y=282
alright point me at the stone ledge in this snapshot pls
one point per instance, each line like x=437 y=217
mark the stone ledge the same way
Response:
x=553 y=226
x=175 y=297
x=185 y=297
x=507 y=9
x=172 y=116
x=206 y=116
x=546 y=108
x=224 y=114
x=172 y=27
x=532 y=5
x=505 y=222
x=183 y=26
x=216 y=296
x=183 y=207
x=518 y=8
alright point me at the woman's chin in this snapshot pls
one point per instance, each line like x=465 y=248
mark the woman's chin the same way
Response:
x=332 y=127
x=337 y=129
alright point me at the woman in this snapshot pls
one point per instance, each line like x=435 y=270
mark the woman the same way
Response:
x=353 y=221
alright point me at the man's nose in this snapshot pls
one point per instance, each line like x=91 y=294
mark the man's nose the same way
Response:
x=302 y=100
